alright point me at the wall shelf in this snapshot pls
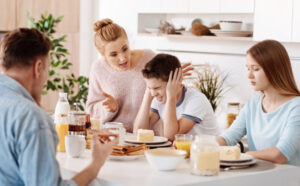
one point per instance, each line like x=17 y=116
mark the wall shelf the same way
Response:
x=193 y=37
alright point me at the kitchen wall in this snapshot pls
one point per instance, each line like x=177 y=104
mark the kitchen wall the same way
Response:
x=13 y=15
x=227 y=54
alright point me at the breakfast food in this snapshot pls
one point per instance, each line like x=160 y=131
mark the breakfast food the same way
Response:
x=144 y=135
x=230 y=153
x=128 y=150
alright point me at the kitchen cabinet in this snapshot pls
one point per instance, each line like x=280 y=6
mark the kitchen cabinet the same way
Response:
x=273 y=20
x=204 y=6
x=296 y=21
x=175 y=6
x=7 y=15
x=150 y=6
x=197 y=6
x=236 y=6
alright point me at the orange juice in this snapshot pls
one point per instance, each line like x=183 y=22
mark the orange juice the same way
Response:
x=62 y=131
x=183 y=145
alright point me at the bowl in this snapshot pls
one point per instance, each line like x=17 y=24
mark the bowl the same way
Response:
x=165 y=159
x=231 y=25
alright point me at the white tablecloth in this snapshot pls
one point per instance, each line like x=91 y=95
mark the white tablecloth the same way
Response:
x=139 y=172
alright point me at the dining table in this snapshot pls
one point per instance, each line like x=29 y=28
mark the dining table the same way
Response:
x=139 y=172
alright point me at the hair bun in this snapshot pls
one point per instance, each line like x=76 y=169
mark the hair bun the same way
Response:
x=102 y=23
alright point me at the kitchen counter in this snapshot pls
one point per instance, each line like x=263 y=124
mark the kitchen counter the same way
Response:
x=139 y=172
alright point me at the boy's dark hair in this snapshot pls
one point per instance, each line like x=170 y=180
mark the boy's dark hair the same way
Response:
x=20 y=47
x=161 y=66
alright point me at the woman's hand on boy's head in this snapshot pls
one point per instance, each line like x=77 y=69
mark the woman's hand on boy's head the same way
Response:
x=174 y=83
x=186 y=69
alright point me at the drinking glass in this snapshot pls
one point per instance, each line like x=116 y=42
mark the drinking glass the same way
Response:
x=183 y=142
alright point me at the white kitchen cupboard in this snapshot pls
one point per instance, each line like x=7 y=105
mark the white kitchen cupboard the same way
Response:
x=175 y=6
x=163 y=6
x=273 y=19
x=296 y=21
x=150 y=6
x=196 y=6
x=204 y=6
x=236 y=6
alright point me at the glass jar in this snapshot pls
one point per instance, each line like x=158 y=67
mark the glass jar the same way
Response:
x=233 y=110
x=117 y=128
x=205 y=156
x=77 y=123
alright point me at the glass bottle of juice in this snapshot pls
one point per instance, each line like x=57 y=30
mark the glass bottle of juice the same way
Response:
x=232 y=112
x=61 y=120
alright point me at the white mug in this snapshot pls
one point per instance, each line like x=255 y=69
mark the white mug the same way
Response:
x=117 y=125
x=75 y=145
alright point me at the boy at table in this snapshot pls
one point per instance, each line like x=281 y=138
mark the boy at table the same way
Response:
x=182 y=110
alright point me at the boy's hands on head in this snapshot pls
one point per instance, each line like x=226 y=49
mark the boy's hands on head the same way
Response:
x=148 y=94
x=110 y=104
x=174 y=83
x=186 y=68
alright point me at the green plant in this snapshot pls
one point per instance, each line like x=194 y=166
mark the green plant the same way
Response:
x=76 y=87
x=210 y=82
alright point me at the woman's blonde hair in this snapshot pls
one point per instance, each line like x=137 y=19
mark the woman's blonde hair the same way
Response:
x=106 y=31
x=273 y=58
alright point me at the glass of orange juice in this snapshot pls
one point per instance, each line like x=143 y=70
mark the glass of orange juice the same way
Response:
x=183 y=142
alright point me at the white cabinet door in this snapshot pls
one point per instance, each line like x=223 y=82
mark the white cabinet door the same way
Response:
x=150 y=6
x=175 y=6
x=204 y=6
x=296 y=21
x=237 y=6
x=273 y=20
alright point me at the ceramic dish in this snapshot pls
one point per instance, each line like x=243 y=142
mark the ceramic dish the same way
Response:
x=124 y=158
x=222 y=33
x=157 y=140
x=151 y=30
x=239 y=164
x=244 y=158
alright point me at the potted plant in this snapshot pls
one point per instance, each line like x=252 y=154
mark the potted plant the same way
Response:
x=210 y=82
x=76 y=87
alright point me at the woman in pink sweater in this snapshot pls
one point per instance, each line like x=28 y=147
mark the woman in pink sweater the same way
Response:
x=116 y=83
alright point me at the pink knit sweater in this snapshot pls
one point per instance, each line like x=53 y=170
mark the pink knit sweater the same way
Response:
x=127 y=87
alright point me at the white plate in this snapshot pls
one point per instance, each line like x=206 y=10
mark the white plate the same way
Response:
x=166 y=144
x=244 y=158
x=124 y=158
x=226 y=33
x=157 y=140
x=239 y=164
x=152 y=30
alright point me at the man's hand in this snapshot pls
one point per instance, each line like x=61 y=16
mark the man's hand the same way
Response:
x=174 y=83
x=101 y=149
x=110 y=104
x=186 y=68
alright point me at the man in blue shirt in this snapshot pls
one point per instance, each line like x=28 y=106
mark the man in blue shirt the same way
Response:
x=28 y=138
